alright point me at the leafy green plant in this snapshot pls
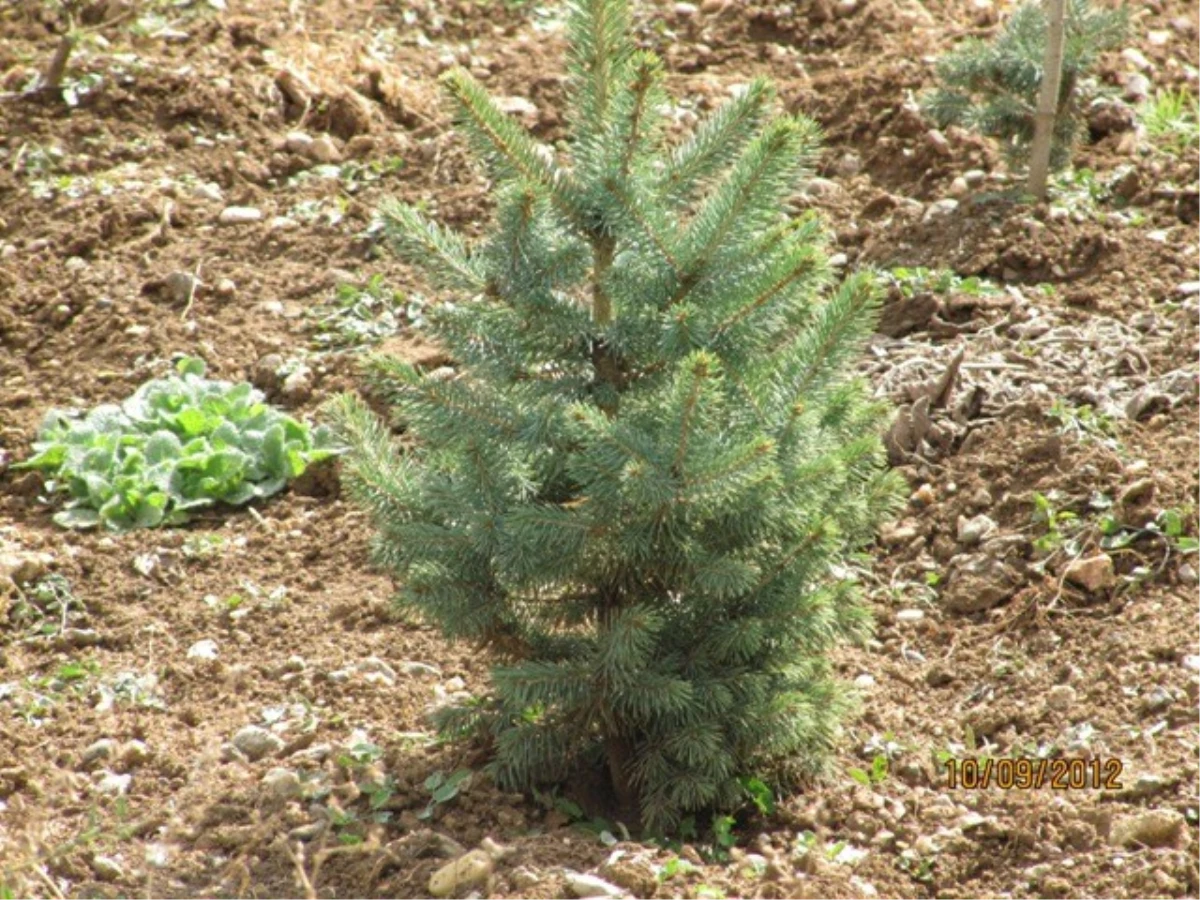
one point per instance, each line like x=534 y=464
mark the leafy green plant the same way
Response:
x=178 y=444
x=1170 y=527
x=920 y=280
x=44 y=608
x=992 y=87
x=877 y=774
x=1061 y=525
x=1083 y=422
x=673 y=867
x=443 y=788
x=759 y=793
x=1172 y=120
x=655 y=451
x=361 y=316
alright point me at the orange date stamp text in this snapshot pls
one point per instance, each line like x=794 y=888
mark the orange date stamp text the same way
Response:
x=1028 y=774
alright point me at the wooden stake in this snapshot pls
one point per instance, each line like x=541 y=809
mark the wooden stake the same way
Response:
x=1047 y=107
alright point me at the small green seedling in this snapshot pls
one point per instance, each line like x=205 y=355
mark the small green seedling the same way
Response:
x=920 y=280
x=444 y=788
x=362 y=316
x=759 y=793
x=877 y=774
x=1060 y=525
x=1172 y=120
x=45 y=607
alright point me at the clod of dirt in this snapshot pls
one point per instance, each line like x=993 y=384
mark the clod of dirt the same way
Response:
x=97 y=752
x=1093 y=573
x=1152 y=828
x=977 y=583
x=256 y=742
x=281 y=785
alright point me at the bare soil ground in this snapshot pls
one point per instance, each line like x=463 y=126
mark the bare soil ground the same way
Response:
x=117 y=772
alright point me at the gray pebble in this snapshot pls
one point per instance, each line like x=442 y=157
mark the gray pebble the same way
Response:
x=257 y=742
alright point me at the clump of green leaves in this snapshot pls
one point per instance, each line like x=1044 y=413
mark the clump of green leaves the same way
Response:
x=361 y=316
x=178 y=444
x=1172 y=120
x=45 y=607
x=992 y=87
x=920 y=280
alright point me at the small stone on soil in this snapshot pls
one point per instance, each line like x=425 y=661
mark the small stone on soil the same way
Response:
x=972 y=531
x=419 y=669
x=281 y=785
x=256 y=742
x=205 y=649
x=112 y=784
x=466 y=872
x=107 y=868
x=584 y=885
x=1092 y=573
x=100 y=750
x=239 y=215
x=324 y=150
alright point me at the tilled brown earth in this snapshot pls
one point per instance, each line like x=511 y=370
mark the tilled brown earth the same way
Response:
x=231 y=709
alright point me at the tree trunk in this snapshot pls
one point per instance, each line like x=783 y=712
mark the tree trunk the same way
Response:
x=1047 y=107
x=619 y=751
x=52 y=79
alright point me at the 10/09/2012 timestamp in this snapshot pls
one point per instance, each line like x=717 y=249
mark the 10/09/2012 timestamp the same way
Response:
x=1025 y=773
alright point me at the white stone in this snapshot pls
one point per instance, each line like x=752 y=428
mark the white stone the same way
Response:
x=517 y=106
x=419 y=668
x=909 y=616
x=112 y=784
x=297 y=142
x=209 y=190
x=584 y=885
x=940 y=208
x=1137 y=86
x=1137 y=59
x=973 y=530
x=240 y=215
x=203 y=649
